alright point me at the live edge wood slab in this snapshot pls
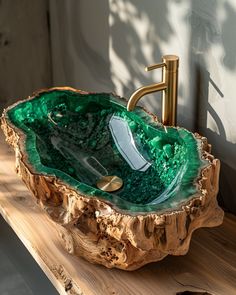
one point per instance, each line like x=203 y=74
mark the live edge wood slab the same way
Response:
x=210 y=264
x=96 y=229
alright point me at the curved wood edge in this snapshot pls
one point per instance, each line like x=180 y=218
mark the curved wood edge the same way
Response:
x=96 y=230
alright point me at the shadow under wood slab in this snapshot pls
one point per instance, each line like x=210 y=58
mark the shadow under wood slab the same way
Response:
x=19 y=274
x=209 y=266
x=66 y=140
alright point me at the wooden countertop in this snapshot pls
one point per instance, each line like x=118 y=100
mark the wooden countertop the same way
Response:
x=209 y=266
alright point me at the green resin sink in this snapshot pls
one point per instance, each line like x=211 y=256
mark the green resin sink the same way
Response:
x=80 y=138
x=69 y=140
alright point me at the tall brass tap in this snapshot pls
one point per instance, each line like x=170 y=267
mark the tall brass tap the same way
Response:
x=168 y=86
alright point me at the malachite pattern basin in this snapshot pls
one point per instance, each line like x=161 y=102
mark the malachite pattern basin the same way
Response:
x=67 y=140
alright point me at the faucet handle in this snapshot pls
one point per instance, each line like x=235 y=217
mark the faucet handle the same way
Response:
x=156 y=66
x=171 y=62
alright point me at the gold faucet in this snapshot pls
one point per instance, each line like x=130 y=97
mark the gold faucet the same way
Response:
x=168 y=86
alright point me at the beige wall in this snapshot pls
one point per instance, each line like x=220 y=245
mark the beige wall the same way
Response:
x=104 y=46
x=24 y=49
x=80 y=44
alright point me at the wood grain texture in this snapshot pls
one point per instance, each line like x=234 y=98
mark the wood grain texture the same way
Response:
x=102 y=233
x=210 y=265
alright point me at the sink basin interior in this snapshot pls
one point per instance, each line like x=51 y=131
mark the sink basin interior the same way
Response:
x=80 y=138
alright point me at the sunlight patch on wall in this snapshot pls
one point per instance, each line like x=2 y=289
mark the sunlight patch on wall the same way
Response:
x=129 y=49
x=221 y=95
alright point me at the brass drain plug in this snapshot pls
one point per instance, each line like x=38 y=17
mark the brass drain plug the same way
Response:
x=110 y=183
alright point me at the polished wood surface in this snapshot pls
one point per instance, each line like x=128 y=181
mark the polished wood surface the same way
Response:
x=210 y=264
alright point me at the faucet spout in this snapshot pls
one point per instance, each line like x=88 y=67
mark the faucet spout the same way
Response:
x=139 y=93
x=168 y=86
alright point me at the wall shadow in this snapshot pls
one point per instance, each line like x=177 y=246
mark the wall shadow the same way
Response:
x=205 y=32
x=129 y=47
